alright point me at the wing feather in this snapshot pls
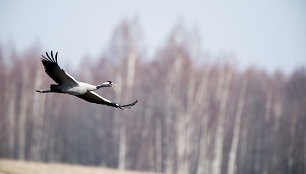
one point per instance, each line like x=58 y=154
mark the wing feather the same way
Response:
x=93 y=97
x=54 y=71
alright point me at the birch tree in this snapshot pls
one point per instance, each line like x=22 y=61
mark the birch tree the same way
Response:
x=223 y=92
x=23 y=114
x=232 y=163
x=204 y=139
x=125 y=47
x=10 y=97
x=37 y=117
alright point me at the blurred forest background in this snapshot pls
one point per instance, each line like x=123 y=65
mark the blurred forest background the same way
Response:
x=193 y=116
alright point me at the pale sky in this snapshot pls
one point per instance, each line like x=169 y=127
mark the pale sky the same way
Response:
x=270 y=34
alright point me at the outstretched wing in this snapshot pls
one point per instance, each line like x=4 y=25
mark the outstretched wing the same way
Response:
x=93 y=97
x=55 y=72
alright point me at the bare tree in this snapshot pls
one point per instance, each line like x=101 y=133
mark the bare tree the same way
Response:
x=206 y=117
x=22 y=115
x=37 y=117
x=237 y=125
x=10 y=97
x=222 y=94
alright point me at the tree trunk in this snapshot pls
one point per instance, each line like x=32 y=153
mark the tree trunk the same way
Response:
x=224 y=83
x=22 y=116
x=121 y=127
x=201 y=102
x=236 y=135
x=37 y=119
x=122 y=148
x=10 y=96
x=158 y=146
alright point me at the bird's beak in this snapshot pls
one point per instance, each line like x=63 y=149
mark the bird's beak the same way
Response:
x=113 y=85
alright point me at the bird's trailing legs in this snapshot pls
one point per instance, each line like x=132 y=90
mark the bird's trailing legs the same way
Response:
x=43 y=91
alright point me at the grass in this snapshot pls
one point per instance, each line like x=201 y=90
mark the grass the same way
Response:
x=29 y=167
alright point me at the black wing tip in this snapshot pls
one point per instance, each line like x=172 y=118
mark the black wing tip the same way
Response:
x=56 y=56
x=51 y=58
x=132 y=104
x=128 y=105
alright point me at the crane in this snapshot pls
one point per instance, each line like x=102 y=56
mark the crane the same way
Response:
x=66 y=84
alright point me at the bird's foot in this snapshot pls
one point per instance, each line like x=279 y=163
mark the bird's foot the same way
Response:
x=43 y=91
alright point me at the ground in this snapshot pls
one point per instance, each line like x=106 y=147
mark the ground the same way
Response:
x=26 y=167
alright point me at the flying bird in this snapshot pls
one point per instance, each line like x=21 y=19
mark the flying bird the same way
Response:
x=68 y=85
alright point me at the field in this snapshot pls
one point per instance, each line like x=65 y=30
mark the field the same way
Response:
x=26 y=167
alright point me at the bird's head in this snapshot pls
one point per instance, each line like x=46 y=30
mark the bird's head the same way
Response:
x=109 y=83
x=106 y=84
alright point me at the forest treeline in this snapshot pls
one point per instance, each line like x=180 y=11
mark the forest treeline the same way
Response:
x=192 y=117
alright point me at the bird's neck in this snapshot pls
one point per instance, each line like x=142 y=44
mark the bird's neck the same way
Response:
x=102 y=85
